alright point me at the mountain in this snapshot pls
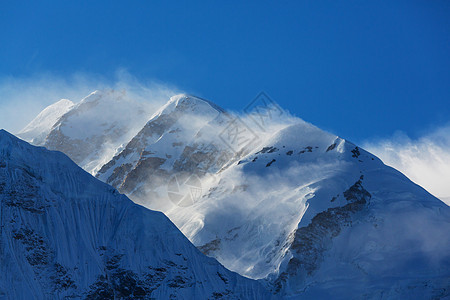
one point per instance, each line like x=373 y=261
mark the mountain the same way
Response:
x=91 y=131
x=306 y=212
x=38 y=129
x=65 y=234
x=316 y=216
x=284 y=212
x=178 y=139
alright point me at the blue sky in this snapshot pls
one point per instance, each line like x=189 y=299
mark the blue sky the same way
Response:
x=361 y=70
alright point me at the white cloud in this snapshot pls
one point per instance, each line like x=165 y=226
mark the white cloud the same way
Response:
x=425 y=160
x=22 y=99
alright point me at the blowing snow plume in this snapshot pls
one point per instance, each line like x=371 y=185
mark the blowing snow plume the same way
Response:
x=90 y=128
x=24 y=98
x=425 y=160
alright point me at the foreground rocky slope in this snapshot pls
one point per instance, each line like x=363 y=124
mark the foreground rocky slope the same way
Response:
x=66 y=234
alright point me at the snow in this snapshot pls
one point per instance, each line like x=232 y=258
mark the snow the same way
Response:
x=91 y=131
x=305 y=211
x=63 y=232
x=162 y=139
x=38 y=129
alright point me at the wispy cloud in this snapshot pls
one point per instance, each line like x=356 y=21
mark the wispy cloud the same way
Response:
x=21 y=99
x=425 y=160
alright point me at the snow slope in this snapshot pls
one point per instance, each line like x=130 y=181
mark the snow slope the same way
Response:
x=38 y=129
x=65 y=234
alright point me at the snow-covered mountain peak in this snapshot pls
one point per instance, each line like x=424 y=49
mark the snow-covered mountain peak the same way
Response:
x=189 y=103
x=107 y=95
x=90 y=131
x=161 y=143
x=301 y=133
x=195 y=99
x=99 y=111
x=38 y=129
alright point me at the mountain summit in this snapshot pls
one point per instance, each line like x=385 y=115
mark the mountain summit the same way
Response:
x=90 y=131
x=38 y=129
x=171 y=135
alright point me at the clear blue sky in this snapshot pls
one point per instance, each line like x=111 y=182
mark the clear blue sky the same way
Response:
x=358 y=69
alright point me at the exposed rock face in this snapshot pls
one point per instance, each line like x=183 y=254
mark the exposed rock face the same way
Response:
x=310 y=243
x=64 y=234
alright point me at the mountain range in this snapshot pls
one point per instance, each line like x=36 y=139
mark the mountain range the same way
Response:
x=300 y=211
